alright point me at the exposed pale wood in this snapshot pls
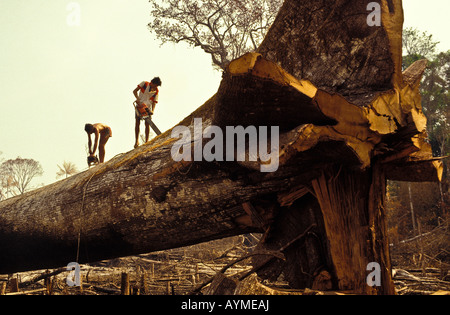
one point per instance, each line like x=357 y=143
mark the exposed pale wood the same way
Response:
x=27 y=292
x=3 y=288
x=385 y=114
x=414 y=73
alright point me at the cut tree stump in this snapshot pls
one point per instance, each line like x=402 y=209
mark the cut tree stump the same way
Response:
x=348 y=118
x=125 y=284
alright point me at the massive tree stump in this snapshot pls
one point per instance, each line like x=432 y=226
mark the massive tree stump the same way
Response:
x=348 y=120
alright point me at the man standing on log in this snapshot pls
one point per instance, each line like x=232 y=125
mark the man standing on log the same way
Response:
x=102 y=131
x=146 y=101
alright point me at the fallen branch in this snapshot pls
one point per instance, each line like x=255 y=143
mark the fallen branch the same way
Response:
x=27 y=292
x=42 y=276
x=437 y=229
x=273 y=254
x=283 y=248
x=201 y=286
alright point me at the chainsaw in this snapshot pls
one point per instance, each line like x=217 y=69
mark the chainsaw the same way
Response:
x=92 y=160
x=144 y=113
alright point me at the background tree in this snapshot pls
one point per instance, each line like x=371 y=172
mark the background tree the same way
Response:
x=225 y=29
x=436 y=101
x=417 y=45
x=67 y=169
x=410 y=204
x=434 y=86
x=18 y=174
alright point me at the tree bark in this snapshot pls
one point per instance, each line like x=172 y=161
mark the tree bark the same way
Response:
x=352 y=205
x=349 y=119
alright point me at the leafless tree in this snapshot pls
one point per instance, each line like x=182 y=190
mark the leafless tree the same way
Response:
x=18 y=174
x=67 y=169
x=225 y=29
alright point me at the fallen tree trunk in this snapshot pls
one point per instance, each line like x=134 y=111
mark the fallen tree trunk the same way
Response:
x=139 y=202
x=349 y=119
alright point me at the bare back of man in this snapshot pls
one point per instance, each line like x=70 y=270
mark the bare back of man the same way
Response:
x=102 y=133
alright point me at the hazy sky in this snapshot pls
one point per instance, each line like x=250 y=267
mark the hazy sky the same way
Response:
x=55 y=77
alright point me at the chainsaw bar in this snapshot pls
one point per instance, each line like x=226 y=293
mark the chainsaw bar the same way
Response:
x=148 y=119
x=152 y=124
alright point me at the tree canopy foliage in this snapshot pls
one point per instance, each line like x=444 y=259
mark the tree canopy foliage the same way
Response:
x=225 y=29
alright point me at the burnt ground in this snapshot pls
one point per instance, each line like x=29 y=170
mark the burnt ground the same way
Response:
x=420 y=267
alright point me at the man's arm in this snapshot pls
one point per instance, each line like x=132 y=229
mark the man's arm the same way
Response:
x=95 y=142
x=135 y=91
x=89 y=143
